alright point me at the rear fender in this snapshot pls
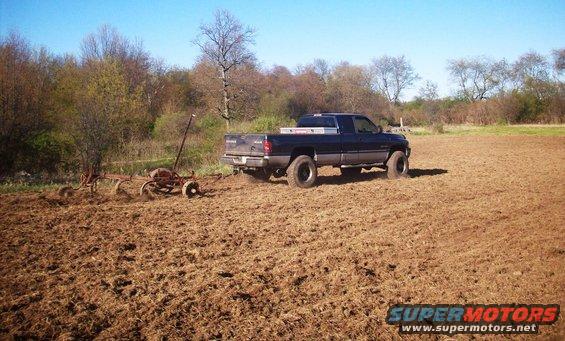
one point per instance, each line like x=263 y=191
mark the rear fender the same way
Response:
x=296 y=152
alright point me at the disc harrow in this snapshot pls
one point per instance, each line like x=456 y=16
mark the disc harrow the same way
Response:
x=159 y=181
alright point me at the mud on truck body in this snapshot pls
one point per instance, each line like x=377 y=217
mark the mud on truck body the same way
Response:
x=348 y=141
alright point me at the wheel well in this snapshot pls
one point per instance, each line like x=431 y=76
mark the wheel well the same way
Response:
x=296 y=152
x=395 y=149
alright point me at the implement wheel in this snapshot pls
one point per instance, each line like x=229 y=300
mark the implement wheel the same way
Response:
x=147 y=187
x=190 y=189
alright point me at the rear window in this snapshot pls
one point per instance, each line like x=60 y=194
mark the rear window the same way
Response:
x=316 y=121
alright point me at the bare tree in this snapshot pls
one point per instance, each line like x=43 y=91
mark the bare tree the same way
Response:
x=531 y=66
x=428 y=91
x=350 y=87
x=225 y=43
x=479 y=77
x=322 y=68
x=392 y=75
x=531 y=73
x=559 y=61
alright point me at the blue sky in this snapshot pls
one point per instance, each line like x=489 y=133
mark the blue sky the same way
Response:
x=290 y=33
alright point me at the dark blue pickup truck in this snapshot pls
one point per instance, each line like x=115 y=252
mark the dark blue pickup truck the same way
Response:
x=348 y=141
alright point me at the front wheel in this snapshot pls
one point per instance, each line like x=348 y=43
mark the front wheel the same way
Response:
x=302 y=172
x=397 y=165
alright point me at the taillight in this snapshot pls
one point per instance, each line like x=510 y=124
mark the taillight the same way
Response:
x=267 y=147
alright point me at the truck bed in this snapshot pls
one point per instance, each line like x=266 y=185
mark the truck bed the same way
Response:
x=244 y=144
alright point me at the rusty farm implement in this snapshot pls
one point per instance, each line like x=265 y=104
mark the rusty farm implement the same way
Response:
x=159 y=181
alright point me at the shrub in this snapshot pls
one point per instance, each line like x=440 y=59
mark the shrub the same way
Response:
x=270 y=124
x=437 y=128
x=271 y=105
x=170 y=125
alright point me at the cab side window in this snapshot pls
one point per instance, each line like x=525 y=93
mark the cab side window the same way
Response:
x=346 y=124
x=364 y=126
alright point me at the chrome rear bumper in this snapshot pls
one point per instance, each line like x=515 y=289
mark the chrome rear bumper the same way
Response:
x=245 y=161
x=256 y=161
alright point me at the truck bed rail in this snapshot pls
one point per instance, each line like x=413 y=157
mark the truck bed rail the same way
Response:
x=310 y=130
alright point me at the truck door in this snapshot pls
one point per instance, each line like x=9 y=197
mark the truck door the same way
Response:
x=372 y=145
x=349 y=148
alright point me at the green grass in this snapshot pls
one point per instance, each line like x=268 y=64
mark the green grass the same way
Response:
x=138 y=167
x=214 y=169
x=14 y=187
x=495 y=130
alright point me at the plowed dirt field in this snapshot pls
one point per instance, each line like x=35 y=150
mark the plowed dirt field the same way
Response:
x=481 y=220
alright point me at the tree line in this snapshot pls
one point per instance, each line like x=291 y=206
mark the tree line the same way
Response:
x=60 y=112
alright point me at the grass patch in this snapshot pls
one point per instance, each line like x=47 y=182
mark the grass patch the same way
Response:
x=214 y=169
x=138 y=167
x=15 y=187
x=495 y=130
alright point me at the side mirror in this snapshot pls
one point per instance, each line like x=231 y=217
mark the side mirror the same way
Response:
x=379 y=129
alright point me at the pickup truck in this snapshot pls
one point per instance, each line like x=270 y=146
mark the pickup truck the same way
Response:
x=348 y=141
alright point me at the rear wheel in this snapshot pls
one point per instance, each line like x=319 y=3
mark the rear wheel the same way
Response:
x=350 y=172
x=302 y=172
x=397 y=165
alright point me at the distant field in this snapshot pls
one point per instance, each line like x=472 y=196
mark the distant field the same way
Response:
x=140 y=166
x=500 y=130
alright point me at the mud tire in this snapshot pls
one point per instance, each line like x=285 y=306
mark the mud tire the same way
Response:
x=302 y=172
x=397 y=165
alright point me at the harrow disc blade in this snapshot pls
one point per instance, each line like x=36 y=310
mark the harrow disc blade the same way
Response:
x=117 y=190
x=146 y=188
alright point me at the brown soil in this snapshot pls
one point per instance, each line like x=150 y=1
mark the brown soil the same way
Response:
x=481 y=220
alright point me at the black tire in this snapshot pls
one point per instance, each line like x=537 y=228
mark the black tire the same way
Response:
x=397 y=165
x=260 y=175
x=302 y=172
x=351 y=172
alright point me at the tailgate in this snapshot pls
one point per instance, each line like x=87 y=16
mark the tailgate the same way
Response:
x=244 y=144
